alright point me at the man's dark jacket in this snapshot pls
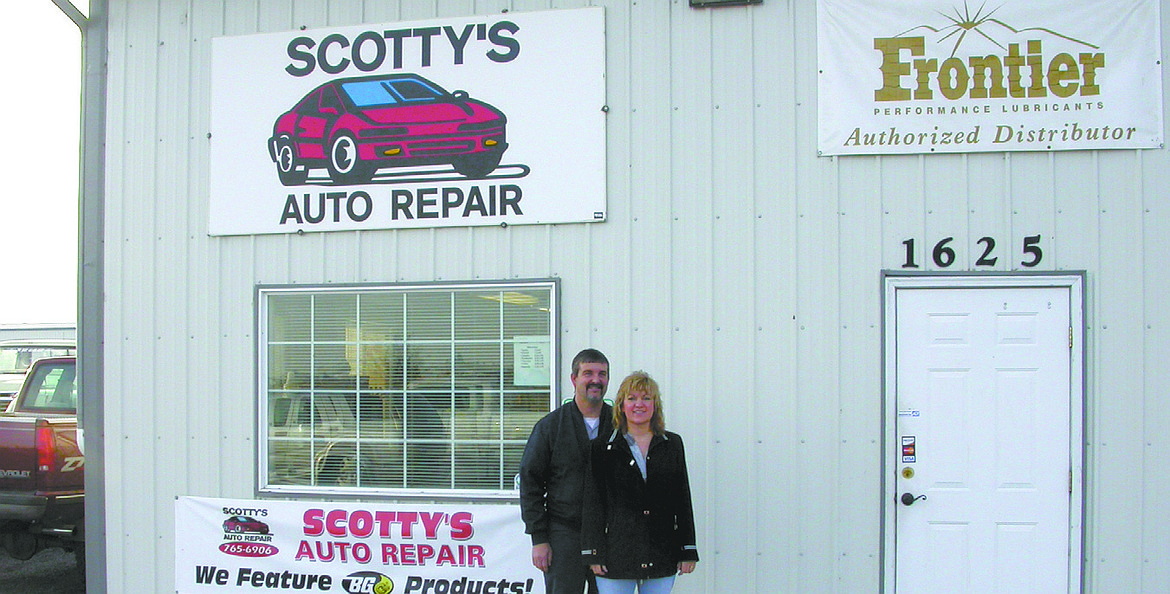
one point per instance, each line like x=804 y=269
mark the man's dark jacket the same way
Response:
x=638 y=529
x=553 y=469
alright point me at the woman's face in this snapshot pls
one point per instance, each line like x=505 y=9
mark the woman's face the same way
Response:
x=639 y=408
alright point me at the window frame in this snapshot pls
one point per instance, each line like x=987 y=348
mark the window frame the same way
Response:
x=261 y=463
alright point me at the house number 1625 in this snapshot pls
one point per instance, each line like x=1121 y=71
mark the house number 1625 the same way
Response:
x=943 y=255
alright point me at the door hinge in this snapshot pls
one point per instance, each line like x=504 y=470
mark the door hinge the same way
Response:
x=1070 y=337
x=1070 y=481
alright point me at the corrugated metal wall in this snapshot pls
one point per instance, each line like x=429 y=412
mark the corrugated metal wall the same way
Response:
x=736 y=266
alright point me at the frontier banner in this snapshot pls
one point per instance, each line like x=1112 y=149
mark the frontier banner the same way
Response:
x=931 y=76
x=231 y=545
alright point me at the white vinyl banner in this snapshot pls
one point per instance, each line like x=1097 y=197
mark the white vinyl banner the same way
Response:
x=489 y=120
x=233 y=545
x=946 y=76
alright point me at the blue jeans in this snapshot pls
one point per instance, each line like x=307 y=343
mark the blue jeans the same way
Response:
x=652 y=586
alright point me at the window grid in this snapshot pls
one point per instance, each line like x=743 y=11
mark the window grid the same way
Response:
x=402 y=447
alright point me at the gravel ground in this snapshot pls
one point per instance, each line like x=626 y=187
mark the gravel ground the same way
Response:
x=51 y=571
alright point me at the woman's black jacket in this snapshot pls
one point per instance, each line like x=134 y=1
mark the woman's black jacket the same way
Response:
x=638 y=528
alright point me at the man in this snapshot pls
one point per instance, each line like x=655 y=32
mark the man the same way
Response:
x=553 y=472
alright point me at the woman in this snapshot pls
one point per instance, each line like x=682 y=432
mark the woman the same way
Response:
x=638 y=527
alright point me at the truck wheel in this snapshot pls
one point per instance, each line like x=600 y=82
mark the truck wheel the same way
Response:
x=79 y=557
x=20 y=545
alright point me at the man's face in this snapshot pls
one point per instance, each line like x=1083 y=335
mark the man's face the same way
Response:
x=591 y=381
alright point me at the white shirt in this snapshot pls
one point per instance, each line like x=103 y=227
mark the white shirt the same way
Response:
x=591 y=426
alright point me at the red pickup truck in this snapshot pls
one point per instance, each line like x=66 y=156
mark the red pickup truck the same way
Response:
x=42 y=470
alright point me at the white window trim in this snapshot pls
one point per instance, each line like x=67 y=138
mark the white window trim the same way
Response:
x=260 y=463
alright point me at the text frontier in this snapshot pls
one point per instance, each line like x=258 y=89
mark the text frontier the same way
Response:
x=984 y=77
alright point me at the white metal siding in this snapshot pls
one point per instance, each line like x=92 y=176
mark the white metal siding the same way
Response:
x=736 y=266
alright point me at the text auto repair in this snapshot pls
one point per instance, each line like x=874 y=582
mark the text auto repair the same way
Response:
x=424 y=203
x=367 y=52
x=341 y=536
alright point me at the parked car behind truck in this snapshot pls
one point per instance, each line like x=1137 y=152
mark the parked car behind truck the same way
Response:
x=42 y=470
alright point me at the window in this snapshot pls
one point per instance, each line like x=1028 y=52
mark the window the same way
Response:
x=52 y=388
x=402 y=387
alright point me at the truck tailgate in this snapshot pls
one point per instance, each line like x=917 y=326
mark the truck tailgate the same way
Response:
x=18 y=454
x=41 y=469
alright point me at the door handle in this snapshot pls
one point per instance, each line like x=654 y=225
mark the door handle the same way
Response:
x=909 y=499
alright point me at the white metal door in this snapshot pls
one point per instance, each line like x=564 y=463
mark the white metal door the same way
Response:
x=983 y=498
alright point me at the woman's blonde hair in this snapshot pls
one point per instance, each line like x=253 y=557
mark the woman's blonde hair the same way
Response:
x=639 y=381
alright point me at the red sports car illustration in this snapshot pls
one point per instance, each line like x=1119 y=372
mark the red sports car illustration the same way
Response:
x=355 y=126
x=244 y=524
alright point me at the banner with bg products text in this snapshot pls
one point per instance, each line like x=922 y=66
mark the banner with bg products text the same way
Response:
x=233 y=545
x=960 y=76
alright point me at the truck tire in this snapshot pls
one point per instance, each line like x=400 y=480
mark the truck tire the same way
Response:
x=21 y=545
x=79 y=557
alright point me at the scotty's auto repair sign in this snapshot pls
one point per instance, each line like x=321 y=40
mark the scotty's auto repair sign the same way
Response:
x=953 y=76
x=490 y=120
x=230 y=545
